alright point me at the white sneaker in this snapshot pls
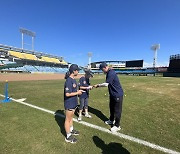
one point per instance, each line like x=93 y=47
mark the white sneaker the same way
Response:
x=87 y=115
x=71 y=139
x=109 y=122
x=79 y=118
x=115 y=129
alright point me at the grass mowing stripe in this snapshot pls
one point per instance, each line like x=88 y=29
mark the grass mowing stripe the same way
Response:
x=139 y=141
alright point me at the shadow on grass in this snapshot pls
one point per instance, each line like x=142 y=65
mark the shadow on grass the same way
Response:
x=60 y=117
x=113 y=148
x=76 y=113
x=98 y=113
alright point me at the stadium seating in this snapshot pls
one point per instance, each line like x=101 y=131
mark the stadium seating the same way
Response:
x=23 y=69
x=23 y=55
x=8 y=62
x=52 y=60
x=55 y=60
x=33 y=57
x=7 y=65
x=47 y=59
x=39 y=59
x=17 y=54
x=30 y=68
x=30 y=56
x=30 y=61
x=130 y=71
x=63 y=62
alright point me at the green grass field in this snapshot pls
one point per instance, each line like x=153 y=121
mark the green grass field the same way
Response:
x=151 y=111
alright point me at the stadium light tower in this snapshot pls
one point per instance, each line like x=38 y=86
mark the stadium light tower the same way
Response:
x=89 y=56
x=29 y=33
x=155 y=47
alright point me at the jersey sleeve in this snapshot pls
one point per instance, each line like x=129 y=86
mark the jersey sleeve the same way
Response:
x=68 y=86
x=110 y=77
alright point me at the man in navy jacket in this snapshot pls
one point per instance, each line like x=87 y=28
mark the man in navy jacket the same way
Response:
x=115 y=95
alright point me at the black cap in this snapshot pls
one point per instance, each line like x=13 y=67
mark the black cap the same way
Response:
x=88 y=72
x=73 y=67
x=102 y=65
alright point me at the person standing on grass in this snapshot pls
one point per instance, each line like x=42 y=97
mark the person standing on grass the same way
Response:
x=115 y=95
x=84 y=84
x=71 y=102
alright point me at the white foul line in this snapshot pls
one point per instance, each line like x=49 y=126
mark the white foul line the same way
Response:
x=127 y=137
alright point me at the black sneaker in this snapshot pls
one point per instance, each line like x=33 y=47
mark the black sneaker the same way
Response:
x=75 y=132
x=71 y=139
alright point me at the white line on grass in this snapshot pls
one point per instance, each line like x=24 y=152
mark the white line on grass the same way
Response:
x=127 y=137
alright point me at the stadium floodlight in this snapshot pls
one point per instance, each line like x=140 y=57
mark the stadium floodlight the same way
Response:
x=89 y=56
x=155 y=47
x=29 y=33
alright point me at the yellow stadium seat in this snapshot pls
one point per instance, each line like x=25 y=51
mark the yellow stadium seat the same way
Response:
x=33 y=57
x=63 y=62
x=39 y=59
x=55 y=60
x=52 y=60
x=17 y=54
x=47 y=59
x=30 y=56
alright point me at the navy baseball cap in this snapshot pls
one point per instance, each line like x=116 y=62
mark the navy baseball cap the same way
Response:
x=73 y=67
x=102 y=65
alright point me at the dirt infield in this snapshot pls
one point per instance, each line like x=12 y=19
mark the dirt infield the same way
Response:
x=28 y=77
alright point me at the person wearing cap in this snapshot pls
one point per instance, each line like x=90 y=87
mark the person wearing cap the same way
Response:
x=71 y=102
x=115 y=96
x=84 y=84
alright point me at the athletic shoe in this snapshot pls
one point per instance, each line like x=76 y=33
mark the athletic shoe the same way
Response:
x=115 y=129
x=79 y=118
x=71 y=139
x=87 y=115
x=75 y=132
x=109 y=122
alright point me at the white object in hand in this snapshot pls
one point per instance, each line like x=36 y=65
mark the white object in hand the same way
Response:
x=103 y=84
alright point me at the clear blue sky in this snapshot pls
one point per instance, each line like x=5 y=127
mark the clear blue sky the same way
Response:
x=110 y=29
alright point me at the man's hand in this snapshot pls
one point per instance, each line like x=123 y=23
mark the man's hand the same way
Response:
x=90 y=87
x=96 y=86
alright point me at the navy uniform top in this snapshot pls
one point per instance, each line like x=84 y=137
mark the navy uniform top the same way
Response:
x=69 y=87
x=84 y=82
x=114 y=87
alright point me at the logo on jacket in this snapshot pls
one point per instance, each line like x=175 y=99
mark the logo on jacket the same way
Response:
x=74 y=85
x=67 y=88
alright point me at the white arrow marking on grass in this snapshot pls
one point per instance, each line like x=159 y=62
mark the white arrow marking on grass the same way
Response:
x=21 y=100
x=127 y=137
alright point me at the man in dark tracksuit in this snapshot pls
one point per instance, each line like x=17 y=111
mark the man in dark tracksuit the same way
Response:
x=115 y=95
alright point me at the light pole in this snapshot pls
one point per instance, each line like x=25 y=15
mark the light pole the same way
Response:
x=29 y=33
x=155 y=47
x=89 y=57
